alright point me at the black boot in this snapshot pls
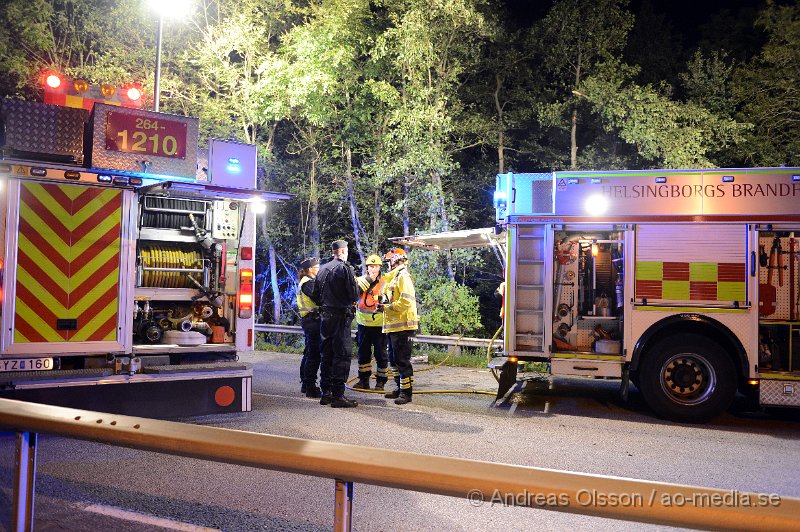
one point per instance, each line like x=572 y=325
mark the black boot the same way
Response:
x=405 y=397
x=303 y=388
x=313 y=392
x=362 y=384
x=393 y=394
x=343 y=402
x=326 y=399
x=379 y=384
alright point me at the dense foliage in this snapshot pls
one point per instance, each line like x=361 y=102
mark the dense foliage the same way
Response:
x=391 y=117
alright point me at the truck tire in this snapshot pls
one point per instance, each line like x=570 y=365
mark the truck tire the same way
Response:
x=689 y=379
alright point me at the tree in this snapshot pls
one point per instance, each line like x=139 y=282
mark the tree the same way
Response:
x=576 y=37
x=767 y=92
x=99 y=40
x=665 y=132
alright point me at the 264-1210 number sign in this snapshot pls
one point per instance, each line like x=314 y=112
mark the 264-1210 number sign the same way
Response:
x=148 y=136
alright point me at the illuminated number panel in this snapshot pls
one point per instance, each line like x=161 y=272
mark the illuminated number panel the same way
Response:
x=133 y=134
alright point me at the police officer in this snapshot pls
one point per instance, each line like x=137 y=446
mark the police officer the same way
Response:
x=400 y=322
x=310 y=320
x=336 y=292
x=370 y=337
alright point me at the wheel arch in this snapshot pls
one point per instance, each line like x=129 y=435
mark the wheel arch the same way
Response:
x=696 y=324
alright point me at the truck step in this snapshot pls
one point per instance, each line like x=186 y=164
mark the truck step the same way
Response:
x=190 y=368
x=57 y=374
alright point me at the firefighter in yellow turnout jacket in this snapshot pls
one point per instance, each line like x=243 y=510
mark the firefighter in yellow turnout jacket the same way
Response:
x=370 y=338
x=400 y=322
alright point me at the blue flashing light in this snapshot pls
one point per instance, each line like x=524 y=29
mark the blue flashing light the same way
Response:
x=500 y=199
x=796 y=178
x=104 y=178
x=233 y=168
x=727 y=179
x=573 y=181
x=596 y=180
x=661 y=180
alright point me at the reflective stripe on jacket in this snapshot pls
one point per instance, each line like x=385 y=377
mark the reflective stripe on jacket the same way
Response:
x=367 y=314
x=304 y=303
x=400 y=313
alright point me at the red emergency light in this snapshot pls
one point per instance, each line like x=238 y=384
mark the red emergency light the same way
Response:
x=81 y=94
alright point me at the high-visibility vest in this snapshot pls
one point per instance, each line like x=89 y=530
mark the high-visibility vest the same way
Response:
x=304 y=303
x=400 y=313
x=367 y=313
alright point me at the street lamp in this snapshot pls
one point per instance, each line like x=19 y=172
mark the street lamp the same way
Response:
x=174 y=9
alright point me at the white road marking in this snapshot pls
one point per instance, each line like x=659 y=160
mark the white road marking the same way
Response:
x=136 y=517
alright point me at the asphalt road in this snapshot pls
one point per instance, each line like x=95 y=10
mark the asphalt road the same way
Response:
x=576 y=425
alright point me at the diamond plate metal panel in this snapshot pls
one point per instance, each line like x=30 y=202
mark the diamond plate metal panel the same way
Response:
x=779 y=393
x=542 y=196
x=141 y=163
x=39 y=130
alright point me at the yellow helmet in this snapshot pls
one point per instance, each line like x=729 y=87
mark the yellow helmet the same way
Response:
x=374 y=259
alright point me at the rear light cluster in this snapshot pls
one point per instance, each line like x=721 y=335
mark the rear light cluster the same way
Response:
x=246 y=286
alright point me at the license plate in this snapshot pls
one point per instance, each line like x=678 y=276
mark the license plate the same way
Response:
x=26 y=364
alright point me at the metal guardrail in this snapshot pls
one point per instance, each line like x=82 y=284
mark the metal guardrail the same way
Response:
x=479 y=482
x=421 y=338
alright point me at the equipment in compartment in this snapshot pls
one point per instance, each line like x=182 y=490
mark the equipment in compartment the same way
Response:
x=588 y=291
x=180 y=269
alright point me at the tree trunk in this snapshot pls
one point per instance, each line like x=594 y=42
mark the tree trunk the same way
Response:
x=500 y=125
x=573 y=158
x=439 y=188
x=313 y=211
x=273 y=274
x=376 y=220
x=406 y=188
x=351 y=193
x=276 y=292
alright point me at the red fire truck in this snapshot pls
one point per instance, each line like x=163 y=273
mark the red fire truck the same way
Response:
x=127 y=275
x=683 y=281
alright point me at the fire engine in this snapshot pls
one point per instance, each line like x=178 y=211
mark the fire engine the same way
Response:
x=127 y=274
x=684 y=282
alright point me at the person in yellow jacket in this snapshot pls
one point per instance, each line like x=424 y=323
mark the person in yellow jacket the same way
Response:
x=370 y=338
x=400 y=323
x=310 y=320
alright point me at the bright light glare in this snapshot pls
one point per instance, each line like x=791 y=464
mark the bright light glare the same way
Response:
x=174 y=9
x=259 y=207
x=134 y=94
x=596 y=204
x=53 y=81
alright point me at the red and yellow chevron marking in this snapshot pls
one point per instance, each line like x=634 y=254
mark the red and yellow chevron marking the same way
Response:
x=68 y=262
x=691 y=281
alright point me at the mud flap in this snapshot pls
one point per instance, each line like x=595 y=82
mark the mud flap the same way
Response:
x=625 y=385
x=508 y=378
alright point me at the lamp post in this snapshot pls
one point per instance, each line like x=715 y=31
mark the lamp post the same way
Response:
x=157 y=79
x=173 y=9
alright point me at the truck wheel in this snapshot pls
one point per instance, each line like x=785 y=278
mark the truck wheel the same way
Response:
x=689 y=379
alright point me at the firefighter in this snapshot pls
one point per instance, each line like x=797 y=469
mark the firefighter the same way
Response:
x=370 y=338
x=400 y=322
x=336 y=291
x=310 y=320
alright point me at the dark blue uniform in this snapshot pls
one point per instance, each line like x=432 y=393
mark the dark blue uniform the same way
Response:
x=336 y=291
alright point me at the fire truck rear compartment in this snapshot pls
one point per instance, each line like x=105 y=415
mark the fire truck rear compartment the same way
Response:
x=183 y=295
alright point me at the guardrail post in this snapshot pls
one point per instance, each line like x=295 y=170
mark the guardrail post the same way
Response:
x=24 y=482
x=343 y=511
